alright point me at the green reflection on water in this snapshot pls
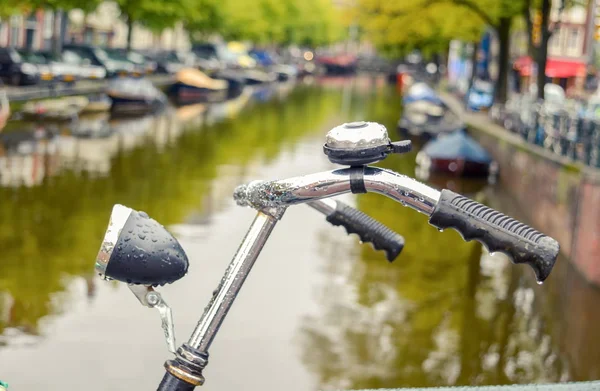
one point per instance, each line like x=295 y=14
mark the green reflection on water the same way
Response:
x=53 y=230
x=445 y=313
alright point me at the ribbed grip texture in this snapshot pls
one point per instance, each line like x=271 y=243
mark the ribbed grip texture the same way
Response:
x=496 y=231
x=368 y=229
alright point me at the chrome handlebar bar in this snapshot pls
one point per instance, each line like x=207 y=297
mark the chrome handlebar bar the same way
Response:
x=282 y=193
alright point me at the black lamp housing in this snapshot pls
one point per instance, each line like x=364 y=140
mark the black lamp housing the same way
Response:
x=138 y=250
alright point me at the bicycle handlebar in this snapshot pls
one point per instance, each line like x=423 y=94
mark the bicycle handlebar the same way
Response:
x=367 y=228
x=472 y=220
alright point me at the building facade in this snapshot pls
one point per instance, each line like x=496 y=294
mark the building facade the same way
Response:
x=103 y=27
x=31 y=32
x=570 y=48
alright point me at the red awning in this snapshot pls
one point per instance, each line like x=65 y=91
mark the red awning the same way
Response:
x=554 y=67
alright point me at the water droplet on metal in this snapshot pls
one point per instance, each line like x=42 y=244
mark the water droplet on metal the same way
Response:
x=540 y=282
x=144 y=214
x=142 y=236
x=127 y=239
x=154 y=240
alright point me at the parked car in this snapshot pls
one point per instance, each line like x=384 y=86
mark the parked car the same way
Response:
x=143 y=64
x=84 y=65
x=171 y=61
x=15 y=70
x=230 y=56
x=59 y=68
x=40 y=62
x=100 y=57
x=263 y=57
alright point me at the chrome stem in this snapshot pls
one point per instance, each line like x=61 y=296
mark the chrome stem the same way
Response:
x=232 y=281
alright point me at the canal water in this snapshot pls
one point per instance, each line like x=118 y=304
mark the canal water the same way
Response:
x=319 y=310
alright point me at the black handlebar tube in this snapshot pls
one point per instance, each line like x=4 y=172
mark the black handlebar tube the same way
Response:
x=445 y=210
x=172 y=383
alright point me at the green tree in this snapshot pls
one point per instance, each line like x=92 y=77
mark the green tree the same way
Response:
x=155 y=15
x=398 y=26
x=268 y=22
x=203 y=17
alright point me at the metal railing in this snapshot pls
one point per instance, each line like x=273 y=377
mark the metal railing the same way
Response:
x=566 y=131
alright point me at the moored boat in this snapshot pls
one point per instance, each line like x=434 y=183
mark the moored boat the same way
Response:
x=419 y=92
x=4 y=109
x=192 y=86
x=457 y=154
x=134 y=96
x=61 y=109
x=97 y=104
x=234 y=79
x=255 y=76
x=285 y=72
x=427 y=119
x=340 y=64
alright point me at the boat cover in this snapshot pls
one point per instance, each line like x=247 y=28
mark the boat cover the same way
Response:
x=131 y=88
x=421 y=91
x=457 y=145
x=196 y=78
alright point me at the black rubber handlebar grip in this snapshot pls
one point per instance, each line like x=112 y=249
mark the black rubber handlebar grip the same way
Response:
x=368 y=229
x=496 y=231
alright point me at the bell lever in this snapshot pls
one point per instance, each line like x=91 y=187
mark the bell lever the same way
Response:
x=150 y=298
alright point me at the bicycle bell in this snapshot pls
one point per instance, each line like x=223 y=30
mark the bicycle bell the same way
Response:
x=361 y=143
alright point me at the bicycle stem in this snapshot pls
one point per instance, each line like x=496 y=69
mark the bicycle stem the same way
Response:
x=233 y=279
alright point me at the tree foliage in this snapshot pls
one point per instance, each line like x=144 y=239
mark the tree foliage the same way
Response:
x=311 y=22
x=397 y=27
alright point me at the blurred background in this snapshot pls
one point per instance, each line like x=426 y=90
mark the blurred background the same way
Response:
x=166 y=106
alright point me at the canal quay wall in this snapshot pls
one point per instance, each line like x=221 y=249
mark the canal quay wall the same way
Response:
x=84 y=87
x=558 y=196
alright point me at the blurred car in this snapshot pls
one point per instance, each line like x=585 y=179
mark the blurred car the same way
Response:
x=143 y=64
x=170 y=61
x=480 y=96
x=263 y=57
x=40 y=62
x=59 y=68
x=114 y=66
x=240 y=56
x=84 y=66
x=233 y=55
x=16 y=70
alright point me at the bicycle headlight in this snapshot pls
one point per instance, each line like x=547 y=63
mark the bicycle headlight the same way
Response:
x=138 y=250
